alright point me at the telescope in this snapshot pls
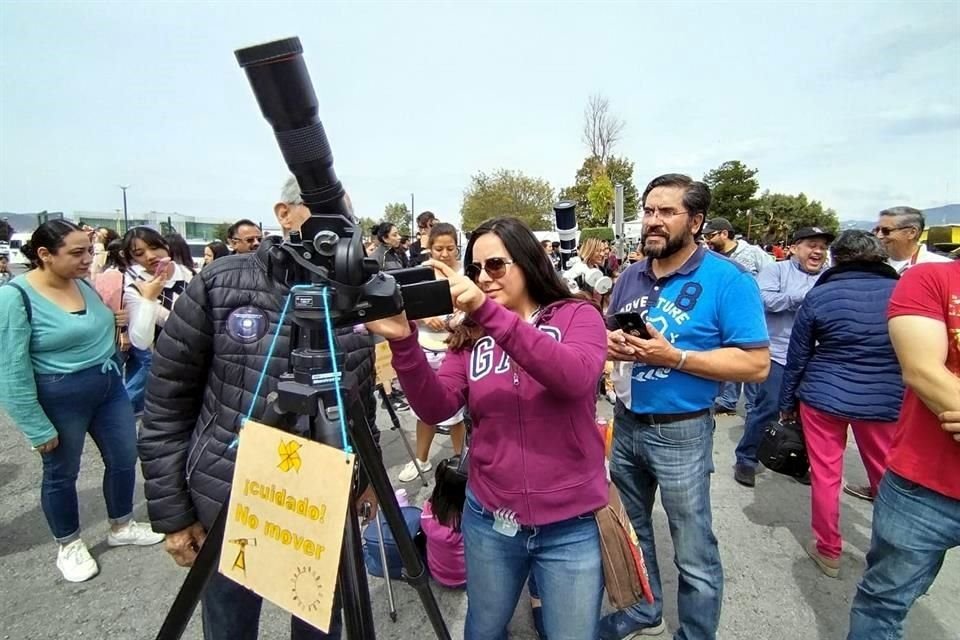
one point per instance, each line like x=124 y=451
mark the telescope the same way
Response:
x=580 y=277
x=566 y=215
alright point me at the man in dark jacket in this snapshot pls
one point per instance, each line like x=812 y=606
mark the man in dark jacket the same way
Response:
x=418 y=253
x=205 y=369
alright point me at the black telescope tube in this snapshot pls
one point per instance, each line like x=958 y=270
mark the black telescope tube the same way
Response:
x=565 y=212
x=281 y=84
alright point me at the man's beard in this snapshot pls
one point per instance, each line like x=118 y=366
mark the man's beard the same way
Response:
x=670 y=247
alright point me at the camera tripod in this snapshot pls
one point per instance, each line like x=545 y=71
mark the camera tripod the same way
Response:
x=305 y=403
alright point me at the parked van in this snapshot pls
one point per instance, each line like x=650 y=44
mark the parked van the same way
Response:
x=16 y=243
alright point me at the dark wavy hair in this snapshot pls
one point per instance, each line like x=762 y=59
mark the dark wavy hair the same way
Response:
x=115 y=259
x=218 y=249
x=150 y=237
x=449 y=493
x=543 y=282
x=383 y=230
x=180 y=251
x=50 y=236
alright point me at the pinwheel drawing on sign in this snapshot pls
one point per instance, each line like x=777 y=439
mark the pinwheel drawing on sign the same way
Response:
x=289 y=458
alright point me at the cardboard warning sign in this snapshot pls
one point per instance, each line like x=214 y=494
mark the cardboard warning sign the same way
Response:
x=285 y=521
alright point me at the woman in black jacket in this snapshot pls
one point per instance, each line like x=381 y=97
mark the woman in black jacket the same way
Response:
x=387 y=252
x=841 y=369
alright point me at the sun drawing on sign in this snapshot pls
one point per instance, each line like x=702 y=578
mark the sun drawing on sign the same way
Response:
x=306 y=589
x=289 y=456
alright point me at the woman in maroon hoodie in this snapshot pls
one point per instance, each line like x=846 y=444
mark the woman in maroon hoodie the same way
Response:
x=526 y=361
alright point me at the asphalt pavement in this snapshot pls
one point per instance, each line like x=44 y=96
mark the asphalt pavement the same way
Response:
x=772 y=590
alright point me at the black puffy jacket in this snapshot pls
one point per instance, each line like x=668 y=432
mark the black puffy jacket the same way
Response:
x=206 y=364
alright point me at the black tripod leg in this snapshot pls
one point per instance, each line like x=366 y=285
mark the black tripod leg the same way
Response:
x=352 y=581
x=414 y=570
x=193 y=585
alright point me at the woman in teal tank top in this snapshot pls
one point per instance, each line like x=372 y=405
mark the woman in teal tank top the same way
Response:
x=63 y=382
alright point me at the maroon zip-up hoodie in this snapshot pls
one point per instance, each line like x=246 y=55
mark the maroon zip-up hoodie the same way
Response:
x=531 y=389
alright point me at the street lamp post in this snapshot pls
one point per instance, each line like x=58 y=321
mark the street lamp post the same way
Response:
x=126 y=221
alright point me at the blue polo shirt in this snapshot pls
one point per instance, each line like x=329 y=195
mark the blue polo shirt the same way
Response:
x=708 y=303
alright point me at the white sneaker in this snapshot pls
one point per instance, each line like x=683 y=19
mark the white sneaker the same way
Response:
x=409 y=472
x=134 y=533
x=75 y=562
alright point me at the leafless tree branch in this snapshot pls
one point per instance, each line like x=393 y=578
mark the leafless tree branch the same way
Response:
x=601 y=129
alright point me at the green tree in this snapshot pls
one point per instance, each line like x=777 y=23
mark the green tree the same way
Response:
x=508 y=193
x=733 y=190
x=399 y=214
x=600 y=195
x=366 y=224
x=777 y=215
x=618 y=170
x=604 y=233
x=222 y=232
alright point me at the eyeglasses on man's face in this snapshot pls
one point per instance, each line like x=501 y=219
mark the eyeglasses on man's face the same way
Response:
x=249 y=241
x=886 y=231
x=665 y=213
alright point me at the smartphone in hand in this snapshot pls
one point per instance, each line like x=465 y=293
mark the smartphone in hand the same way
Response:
x=163 y=266
x=633 y=324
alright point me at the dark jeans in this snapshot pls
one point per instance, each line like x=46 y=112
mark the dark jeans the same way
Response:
x=913 y=528
x=765 y=410
x=729 y=396
x=136 y=372
x=232 y=612
x=88 y=401
x=677 y=458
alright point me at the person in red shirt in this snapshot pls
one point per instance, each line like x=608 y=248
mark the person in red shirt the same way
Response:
x=916 y=516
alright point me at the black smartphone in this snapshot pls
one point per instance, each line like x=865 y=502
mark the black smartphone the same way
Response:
x=633 y=324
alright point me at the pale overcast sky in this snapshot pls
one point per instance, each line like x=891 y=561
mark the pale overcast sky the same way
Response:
x=855 y=103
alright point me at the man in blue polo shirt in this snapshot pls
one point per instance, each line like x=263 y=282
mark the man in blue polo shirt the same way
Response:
x=705 y=321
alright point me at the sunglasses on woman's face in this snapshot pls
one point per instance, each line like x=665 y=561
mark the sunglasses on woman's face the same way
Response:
x=496 y=268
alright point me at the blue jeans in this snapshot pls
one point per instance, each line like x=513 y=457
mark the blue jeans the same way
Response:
x=137 y=370
x=564 y=558
x=94 y=402
x=678 y=458
x=913 y=528
x=232 y=612
x=729 y=396
x=765 y=410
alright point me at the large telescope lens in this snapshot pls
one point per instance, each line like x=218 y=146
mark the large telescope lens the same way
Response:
x=566 y=215
x=281 y=83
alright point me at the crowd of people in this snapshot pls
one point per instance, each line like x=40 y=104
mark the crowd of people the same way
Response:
x=858 y=329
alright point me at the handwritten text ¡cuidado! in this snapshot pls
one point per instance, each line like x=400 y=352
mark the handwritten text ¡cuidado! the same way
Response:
x=280 y=497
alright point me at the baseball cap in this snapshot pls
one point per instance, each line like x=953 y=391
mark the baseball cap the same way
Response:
x=811 y=232
x=718 y=224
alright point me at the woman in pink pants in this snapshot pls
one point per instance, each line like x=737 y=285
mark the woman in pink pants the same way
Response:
x=842 y=370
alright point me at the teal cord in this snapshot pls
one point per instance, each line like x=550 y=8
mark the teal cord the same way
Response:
x=266 y=364
x=331 y=341
x=333 y=357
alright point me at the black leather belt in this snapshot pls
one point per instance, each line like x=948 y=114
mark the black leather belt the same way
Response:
x=666 y=418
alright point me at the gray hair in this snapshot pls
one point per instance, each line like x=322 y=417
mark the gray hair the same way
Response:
x=291 y=192
x=291 y=195
x=855 y=245
x=906 y=217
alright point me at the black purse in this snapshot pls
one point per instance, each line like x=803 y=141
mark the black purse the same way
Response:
x=782 y=449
